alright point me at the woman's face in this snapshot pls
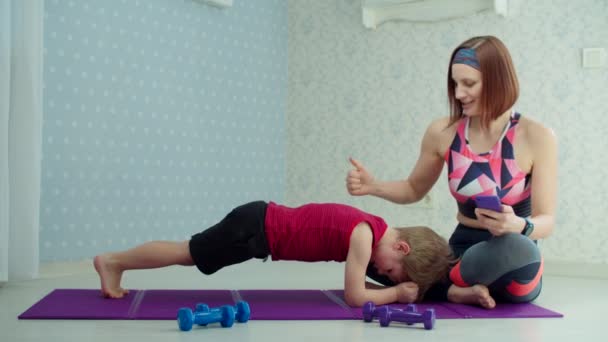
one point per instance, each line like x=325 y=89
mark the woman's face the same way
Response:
x=467 y=88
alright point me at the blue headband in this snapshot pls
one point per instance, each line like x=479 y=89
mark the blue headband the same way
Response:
x=466 y=56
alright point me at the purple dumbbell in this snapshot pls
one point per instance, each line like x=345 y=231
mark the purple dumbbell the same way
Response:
x=408 y=308
x=370 y=311
x=387 y=315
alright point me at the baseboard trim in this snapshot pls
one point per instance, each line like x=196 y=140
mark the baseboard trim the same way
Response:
x=552 y=268
x=575 y=269
x=65 y=268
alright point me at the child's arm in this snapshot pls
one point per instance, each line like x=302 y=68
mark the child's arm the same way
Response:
x=359 y=255
x=370 y=285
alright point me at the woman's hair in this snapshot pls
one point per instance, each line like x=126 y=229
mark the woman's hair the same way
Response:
x=429 y=259
x=500 y=88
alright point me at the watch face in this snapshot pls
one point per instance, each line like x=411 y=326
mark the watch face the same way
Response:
x=528 y=228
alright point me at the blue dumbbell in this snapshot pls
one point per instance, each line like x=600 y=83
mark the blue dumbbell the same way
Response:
x=186 y=317
x=242 y=312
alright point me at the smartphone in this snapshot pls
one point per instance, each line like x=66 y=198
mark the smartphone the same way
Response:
x=491 y=202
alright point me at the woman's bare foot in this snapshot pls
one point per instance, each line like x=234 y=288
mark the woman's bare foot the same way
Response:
x=476 y=295
x=110 y=275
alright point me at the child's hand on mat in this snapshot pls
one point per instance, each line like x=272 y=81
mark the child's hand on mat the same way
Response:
x=407 y=292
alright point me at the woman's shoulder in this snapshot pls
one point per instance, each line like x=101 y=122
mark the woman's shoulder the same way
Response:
x=441 y=124
x=536 y=132
x=441 y=127
x=534 y=128
x=440 y=134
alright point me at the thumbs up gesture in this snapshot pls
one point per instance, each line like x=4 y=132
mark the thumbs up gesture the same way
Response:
x=358 y=181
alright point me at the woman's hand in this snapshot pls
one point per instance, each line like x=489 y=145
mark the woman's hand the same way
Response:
x=359 y=181
x=500 y=223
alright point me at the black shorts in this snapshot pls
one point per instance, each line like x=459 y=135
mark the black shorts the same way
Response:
x=240 y=236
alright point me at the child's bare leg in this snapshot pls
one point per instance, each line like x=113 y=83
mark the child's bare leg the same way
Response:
x=476 y=295
x=154 y=254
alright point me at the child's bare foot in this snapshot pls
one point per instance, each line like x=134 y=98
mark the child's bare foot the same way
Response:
x=476 y=295
x=110 y=275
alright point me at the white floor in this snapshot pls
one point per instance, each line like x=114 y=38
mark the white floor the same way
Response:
x=584 y=303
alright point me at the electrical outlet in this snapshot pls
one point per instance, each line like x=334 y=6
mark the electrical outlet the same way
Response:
x=594 y=58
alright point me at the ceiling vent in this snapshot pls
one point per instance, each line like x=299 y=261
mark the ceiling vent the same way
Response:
x=377 y=12
x=217 y=3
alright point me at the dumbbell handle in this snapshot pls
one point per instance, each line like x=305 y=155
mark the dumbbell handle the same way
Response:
x=241 y=310
x=427 y=317
x=370 y=311
x=208 y=317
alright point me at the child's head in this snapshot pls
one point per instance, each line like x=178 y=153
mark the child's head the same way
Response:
x=429 y=258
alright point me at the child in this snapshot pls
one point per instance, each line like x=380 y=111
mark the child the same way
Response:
x=413 y=258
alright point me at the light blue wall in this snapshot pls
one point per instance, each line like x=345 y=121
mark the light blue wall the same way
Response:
x=159 y=117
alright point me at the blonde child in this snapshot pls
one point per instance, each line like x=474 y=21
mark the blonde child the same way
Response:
x=413 y=258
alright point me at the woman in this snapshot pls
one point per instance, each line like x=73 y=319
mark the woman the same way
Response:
x=489 y=149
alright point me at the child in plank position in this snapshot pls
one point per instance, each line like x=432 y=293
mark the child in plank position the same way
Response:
x=413 y=258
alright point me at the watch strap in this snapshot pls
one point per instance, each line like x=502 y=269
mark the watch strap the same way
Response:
x=528 y=228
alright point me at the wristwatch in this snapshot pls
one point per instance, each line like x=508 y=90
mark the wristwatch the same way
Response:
x=528 y=228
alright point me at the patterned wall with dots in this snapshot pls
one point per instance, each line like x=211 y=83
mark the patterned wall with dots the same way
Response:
x=159 y=117
x=376 y=91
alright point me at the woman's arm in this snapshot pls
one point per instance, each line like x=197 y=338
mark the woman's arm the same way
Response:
x=544 y=180
x=412 y=189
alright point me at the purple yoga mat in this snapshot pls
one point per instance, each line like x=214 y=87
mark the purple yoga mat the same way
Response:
x=80 y=304
x=295 y=305
x=502 y=310
x=441 y=312
x=163 y=304
x=264 y=304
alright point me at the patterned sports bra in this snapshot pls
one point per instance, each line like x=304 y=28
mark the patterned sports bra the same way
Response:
x=491 y=173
